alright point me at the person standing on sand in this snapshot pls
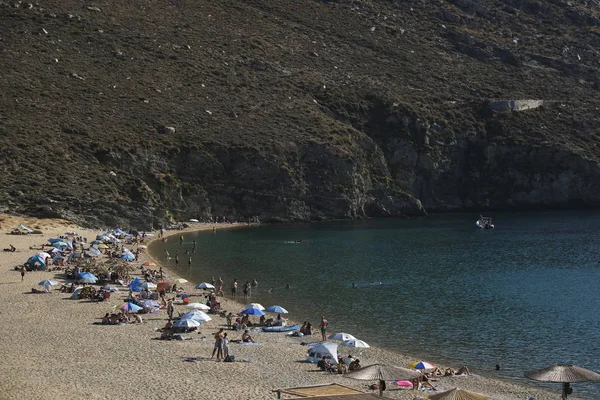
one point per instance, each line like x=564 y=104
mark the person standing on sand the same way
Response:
x=170 y=309
x=234 y=286
x=323 y=325
x=22 y=273
x=218 y=348
x=225 y=345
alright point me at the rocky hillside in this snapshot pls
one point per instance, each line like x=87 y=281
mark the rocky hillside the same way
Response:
x=139 y=112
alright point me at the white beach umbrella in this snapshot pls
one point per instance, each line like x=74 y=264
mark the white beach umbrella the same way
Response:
x=43 y=254
x=181 y=280
x=341 y=336
x=186 y=323
x=48 y=282
x=355 y=343
x=256 y=305
x=196 y=315
x=149 y=285
x=198 y=306
x=110 y=288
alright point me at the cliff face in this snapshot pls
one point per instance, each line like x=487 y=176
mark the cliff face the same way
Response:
x=140 y=113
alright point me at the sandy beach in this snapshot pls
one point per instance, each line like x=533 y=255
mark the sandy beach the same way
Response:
x=53 y=350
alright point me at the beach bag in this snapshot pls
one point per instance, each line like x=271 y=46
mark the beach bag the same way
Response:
x=229 y=359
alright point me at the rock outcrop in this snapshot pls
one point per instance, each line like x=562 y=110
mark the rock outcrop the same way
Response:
x=297 y=110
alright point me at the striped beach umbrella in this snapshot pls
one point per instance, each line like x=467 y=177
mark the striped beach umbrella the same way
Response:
x=421 y=365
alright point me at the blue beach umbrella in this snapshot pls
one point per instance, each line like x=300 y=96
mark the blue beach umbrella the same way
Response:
x=252 y=311
x=94 y=251
x=127 y=256
x=128 y=306
x=60 y=244
x=96 y=242
x=276 y=309
x=83 y=275
x=54 y=240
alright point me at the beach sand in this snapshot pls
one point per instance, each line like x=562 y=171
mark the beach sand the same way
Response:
x=52 y=350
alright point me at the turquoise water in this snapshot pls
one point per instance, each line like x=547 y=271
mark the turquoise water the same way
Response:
x=524 y=295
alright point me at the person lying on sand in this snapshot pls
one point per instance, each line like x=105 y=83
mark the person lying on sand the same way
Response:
x=464 y=370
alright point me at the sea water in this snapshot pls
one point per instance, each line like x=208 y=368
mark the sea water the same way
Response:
x=524 y=295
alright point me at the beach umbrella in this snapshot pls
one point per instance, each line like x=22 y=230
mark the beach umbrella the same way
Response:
x=198 y=306
x=43 y=254
x=181 y=280
x=96 y=242
x=55 y=250
x=102 y=246
x=355 y=343
x=128 y=306
x=150 y=304
x=565 y=374
x=148 y=285
x=87 y=275
x=110 y=288
x=127 y=256
x=256 y=305
x=87 y=280
x=457 y=394
x=204 y=285
x=187 y=323
x=196 y=315
x=341 y=336
x=421 y=365
x=276 y=309
x=252 y=311
x=381 y=372
x=60 y=244
x=54 y=240
x=48 y=282
x=149 y=264
x=94 y=251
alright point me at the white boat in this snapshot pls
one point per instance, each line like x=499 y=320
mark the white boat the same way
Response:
x=484 y=223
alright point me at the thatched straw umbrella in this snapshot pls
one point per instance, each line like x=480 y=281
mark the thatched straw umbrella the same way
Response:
x=457 y=394
x=565 y=374
x=381 y=372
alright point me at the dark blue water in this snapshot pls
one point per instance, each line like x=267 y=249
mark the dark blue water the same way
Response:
x=524 y=295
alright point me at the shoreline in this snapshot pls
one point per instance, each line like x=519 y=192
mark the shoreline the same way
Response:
x=390 y=352
x=50 y=338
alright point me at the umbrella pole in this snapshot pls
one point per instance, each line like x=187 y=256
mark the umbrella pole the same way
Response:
x=565 y=390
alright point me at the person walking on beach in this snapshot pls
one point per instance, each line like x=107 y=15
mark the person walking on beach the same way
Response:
x=22 y=273
x=323 y=325
x=181 y=240
x=176 y=259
